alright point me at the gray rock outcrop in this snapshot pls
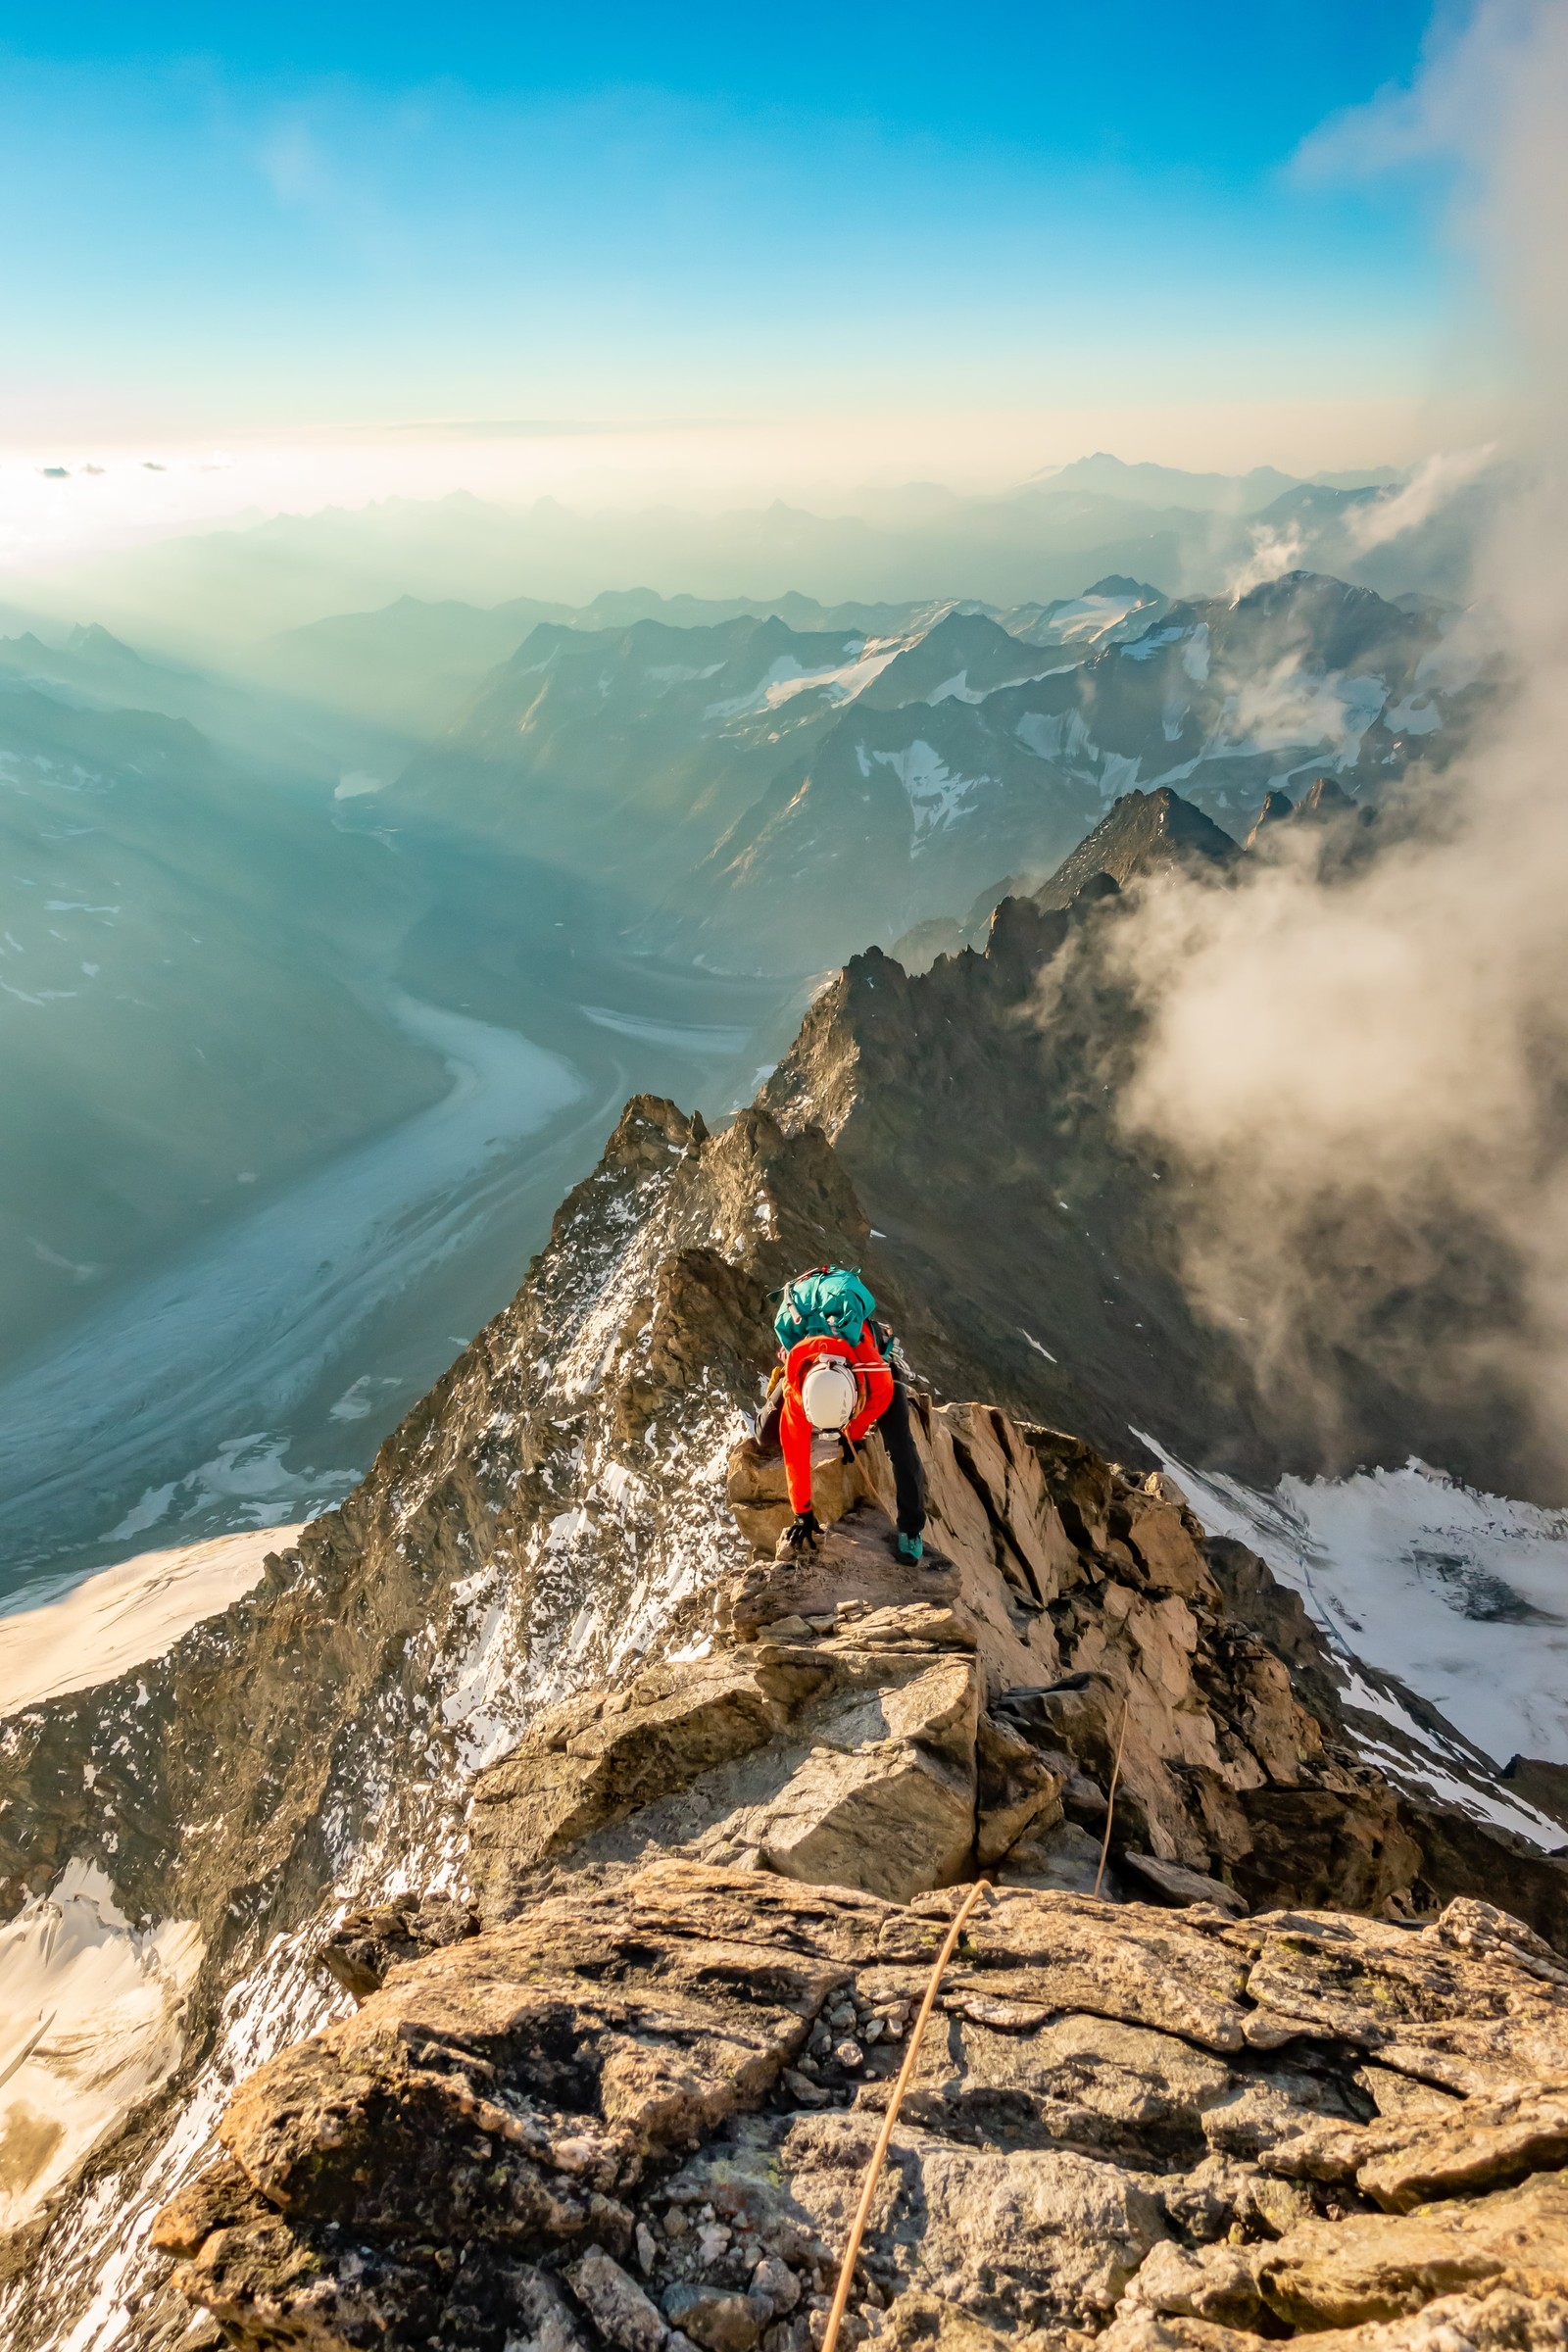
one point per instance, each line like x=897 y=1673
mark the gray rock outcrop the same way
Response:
x=640 y=2114
x=632 y=2112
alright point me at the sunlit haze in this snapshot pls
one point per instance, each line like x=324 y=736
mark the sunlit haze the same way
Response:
x=266 y=266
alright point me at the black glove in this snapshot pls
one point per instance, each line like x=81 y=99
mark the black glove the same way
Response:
x=802 y=1533
x=847 y=1447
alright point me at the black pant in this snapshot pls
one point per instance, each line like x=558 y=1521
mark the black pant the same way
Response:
x=908 y=1473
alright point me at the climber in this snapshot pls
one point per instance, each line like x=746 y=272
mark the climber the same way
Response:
x=840 y=1373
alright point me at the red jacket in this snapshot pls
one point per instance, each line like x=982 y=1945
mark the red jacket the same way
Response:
x=795 y=1430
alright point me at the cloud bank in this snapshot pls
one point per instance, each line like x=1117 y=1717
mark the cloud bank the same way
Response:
x=1366 y=1075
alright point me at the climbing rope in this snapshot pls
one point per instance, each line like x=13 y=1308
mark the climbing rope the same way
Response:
x=884 y=2139
x=1111 y=1802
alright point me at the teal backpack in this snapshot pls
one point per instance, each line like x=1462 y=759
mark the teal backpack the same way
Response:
x=830 y=1302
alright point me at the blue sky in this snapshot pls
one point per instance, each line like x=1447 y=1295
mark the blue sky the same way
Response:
x=285 y=219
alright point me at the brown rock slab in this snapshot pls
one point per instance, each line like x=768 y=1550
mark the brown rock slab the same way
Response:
x=921 y=1624
x=1466 y=2145
x=1470 y=2022
x=891 y=1823
x=598 y=1759
x=1498 y=2321
x=894 y=1814
x=1059 y=1857
x=1068 y=1951
x=1092 y=2142
x=718 y=2319
x=853 y=1562
x=1017 y=1787
x=1377 y=2266
x=375 y=1938
x=1169 y=1882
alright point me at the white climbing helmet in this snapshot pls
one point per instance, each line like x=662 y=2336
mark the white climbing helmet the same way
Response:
x=829 y=1392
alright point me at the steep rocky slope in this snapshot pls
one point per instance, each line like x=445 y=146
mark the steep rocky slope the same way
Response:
x=975 y=1108
x=552 y=1524
x=711 y=1892
x=1144 y=833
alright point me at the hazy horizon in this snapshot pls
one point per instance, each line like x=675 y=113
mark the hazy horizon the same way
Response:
x=270 y=267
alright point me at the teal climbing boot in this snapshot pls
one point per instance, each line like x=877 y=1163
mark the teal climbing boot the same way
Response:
x=909 y=1547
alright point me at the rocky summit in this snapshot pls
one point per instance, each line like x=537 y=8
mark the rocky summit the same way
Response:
x=1220 y=2056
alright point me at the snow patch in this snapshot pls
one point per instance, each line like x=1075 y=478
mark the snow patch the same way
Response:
x=1155 y=641
x=1087 y=617
x=125 y=1615
x=91 y=2023
x=1290 y=706
x=1055 y=735
x=623 y=1486
x=1414 y=715
x=785 y=678
x=678 y=1034
x=1461 y=1594
x=356 y=1402
x=936 y=796
x=957 y=689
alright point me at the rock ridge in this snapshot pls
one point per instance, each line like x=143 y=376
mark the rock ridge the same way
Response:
x=624 y=2103
x=538 y=1653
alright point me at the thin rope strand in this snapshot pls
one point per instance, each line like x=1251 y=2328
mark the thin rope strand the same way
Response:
x=884 y=2139
x=1111 y=1802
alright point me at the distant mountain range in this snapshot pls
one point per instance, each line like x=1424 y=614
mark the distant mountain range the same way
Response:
x=784 y=791
x=1223 y=493
x=1191 y=534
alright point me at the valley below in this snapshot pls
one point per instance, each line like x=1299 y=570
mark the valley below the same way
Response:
x=247 y=1380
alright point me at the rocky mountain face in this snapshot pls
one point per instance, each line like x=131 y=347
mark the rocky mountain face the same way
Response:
x=787 y=789
x=975 y=1108
x=1145 y=833
x=534 y=1666
x=626 y=2099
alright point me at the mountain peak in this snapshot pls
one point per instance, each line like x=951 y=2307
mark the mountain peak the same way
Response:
x=1323 y=798
x=1114 y=477
x=1277 y=806
x=1144 y=833
x=91 y=637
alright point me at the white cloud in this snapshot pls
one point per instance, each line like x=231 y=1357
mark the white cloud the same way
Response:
x=1367 y=1078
